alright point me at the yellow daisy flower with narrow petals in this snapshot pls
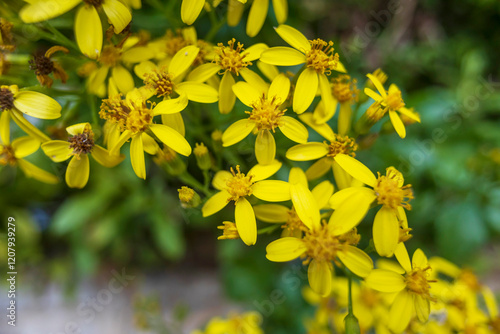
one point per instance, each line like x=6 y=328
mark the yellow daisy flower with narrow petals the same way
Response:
x=390 y=226
x=88 y=28
x=237 y=186
x=267 y=114
x=77 y=147
x=13 y=153
x=134 y=117
x=319 y=60
x=392 y=102
x=411 y=284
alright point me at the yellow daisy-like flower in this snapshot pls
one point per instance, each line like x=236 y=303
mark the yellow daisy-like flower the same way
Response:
x=15 y=102
x=230 y=60
x=319 y=60
x=390 y=226
x=392 y=102
x=238 y=187
x=88 y=28
x=245 y=323
x=267 y=114
x=13 y=153
x=134 y=117
x=411 y=284
x=77 y=147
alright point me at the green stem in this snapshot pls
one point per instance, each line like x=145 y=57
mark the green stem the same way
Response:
x=215 y=28
x=93 y=109
x=59 y=38
x=206 y=180
x=349 y=307
x=194 y=183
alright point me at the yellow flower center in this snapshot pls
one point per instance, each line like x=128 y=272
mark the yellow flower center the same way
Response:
x=134 y=116
x=293 y=224
x=230 y=58
x=394 y=100
x=417 y=282
x=175 y=42
x=321 y=244
x=239 y=185
x=95 y=3
x=390 y=190
x=342 y=145
x=6 y=98
x=161 y=81
x=321 y=57
x=229 y=231
x=110 y=55
x=205 y=49
x=469 y=279
x=266 y=113
x=7 y=156
x=82 y=143
x=186 y=194
x=344 y=89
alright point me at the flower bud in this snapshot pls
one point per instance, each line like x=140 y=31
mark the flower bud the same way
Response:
x=188 y=197
x=202 y=156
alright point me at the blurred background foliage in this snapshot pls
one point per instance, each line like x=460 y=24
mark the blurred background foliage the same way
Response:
x=442 y=54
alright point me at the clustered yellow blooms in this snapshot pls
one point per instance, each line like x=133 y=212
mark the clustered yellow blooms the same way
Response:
x=319 y=224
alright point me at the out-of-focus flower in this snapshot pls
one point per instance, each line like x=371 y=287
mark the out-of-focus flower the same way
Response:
x=247 y=323
x=43 y=66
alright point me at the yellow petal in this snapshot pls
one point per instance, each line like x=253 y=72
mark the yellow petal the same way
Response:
x=149 y=144
x=372 y=94
x=105 y=159
x=293 y=129
x=419 y=260
x=38 y=11
x=339 y=67
x=77 y=173
x=403 y=257
x=265 y=147
x=490 y=301
x=257 y=16
x=190 y=10
x=269 y=71
x=385 y=232
x=356 y=169
x=171 y=138
x=280 y=88
x=88 y=31
x=253 y=52
x=329 y=103
x=322 y=193
x=285 y=249
x=37 y=105
x=37 y=173
x=297 y=175
x=254 y=80
x=294 y=37
x=422 y=308
x=272 y=190
x=78 y=129
x=245 y=221
x=198 y=92
x=377 y=84
x=305 y=205
x=203 y=72
x=319 y=275
x=236 y=132
x=124 y=137
x=385 y=281
x=356 y=260
x=319 y=168
x=118 y=14
x=397 y=123
x=26 y=126
x=137 y=54
x=306 y=152
x=342 y=178
x=183 y=59
x=410 y=114
x=123 y=79
x=137 y=156
x=24 y=146
x=345 y=116
x=246 y=93
x=220 y=179
x=321 y=114
x=401 y=312
x=144 y=68
x=282 y=56
x=280 y=10
x=261 y=172
x=226 y=95
x=215 y=203
x=271 y=213
x=305 y=90
x=96 y=80
x=171 y=106
x=234 y=12
x=5 y=128
x=323 y=129
x=174 y=121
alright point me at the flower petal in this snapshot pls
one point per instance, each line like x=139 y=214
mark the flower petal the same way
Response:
x=305 y=205
x=293 y=129
x=272 y=190
x=261 y=172
x=344 y=121
x=280 y=88
x=246 y=93
x=77 y=173
x=236 y=132
x=254 y=80
x=271 y=213
x=282 y=56
x=410 y=114
x=403 y=257
x=342 y=178
x=26 y=126
x=174 y=121
x=190 y=10
x=220 y=179
x=137 y=156
x=422 y=308
x=307 y=151
x=297 y=175
x=305 y=90
x=37 y=105
x=118 y=14
x=376 y=82
x=5 y=128
x=88 y=31
x=397 y=123
x=269 y=71
x=319 y=168
x=256 y=17
x=265 y=147
x=253 y=52
x=171 y=138
x=149 y=144
x=323 y=129
x=104 y=158
x=24 y=146
x=38 y=11
x=294 y=37
x=226 y=95
x=280 y=10
x=419 y=260
x=203 y=72
x=356 y=169
x=319 y=275
x=322 y=193
x=198 y=92
x=183 y=59
x=401 y=312
x=385 y=281
x=215 y=203
x=356 y=261
x=37 y=173
x=245 y=221
x=385 y=231
x=285 y=249
x=123 y=79
x=171 y=106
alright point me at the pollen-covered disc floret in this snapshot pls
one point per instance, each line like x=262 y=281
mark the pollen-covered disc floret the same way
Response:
x=394 y=100
x=231 y=58
x=110 y=55
x=175 y=42
x=321 y=57
x=417 y=282
x=390 y=190
x=294 y=224
x=82 y=143
x=342 y=145
x=160 y=81
x=344 y=88
x=266 y=113
x=6 y=98
x=239 y=185
x=132 y=115
x=7 y=156
x=229 y=231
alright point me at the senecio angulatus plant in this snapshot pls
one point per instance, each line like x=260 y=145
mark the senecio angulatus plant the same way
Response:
x=181 y=98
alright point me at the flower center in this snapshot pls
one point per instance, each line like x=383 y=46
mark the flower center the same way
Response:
x=175 y=42
x=266 y=113
x=240 y=185
x=344 y=89
x=229 y=231
x=394 y=100
x=468 y=277
x=416 y=282
x=321 y=244
x=110 y=56
x=390 y=190
x=95 y=3
x=231 y=59
x=41 y=65
x=7 y=156
x=205 y=49
x=6 y=98
x=293 y=224
x=82 y=143
x=342 y=145
x=161 y=81
x=134 y=116
x=321 y=57
x=375 y=112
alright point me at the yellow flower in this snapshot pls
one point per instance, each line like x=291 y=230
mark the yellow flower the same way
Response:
x=77 y=147
x=230 y=60
x=43 y=66
x=88 y=28
x=319 y=59
x=34 y=104
x=238 y=187
x=392 y=102
x=133 y=117
x=267 y=114
x=410 y=282
x=13 y=154
x=351 y=204
x=247 y=323
x=191 y=9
